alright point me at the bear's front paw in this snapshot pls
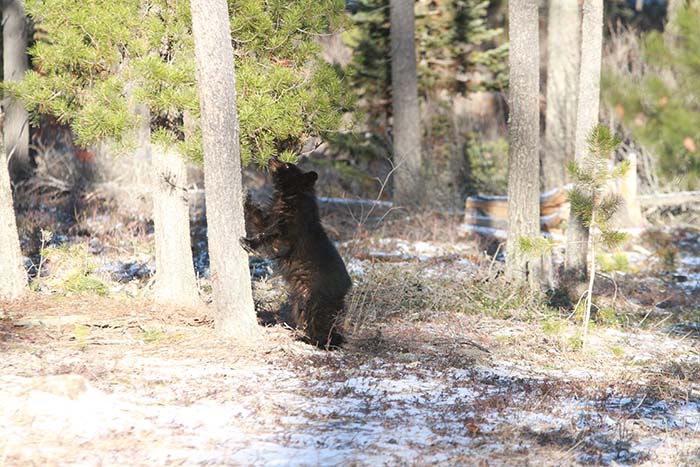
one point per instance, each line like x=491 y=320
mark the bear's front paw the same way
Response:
x=247 y=244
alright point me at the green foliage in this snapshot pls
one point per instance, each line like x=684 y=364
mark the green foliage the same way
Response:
x=453 y=41
x=553 y=326
x=488 y=165
x=85 y=284
x=72 y=271
x=81 y=334
x=581 y=203
x=575 y=343
x=593 y=203
x=535 y=246
x=661 y=108
x=152 y=335
x=95 y=60
x=589 y=197
x=74 y=76
x=617 y=262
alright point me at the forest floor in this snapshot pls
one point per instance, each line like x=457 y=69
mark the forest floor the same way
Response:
x=446 y=364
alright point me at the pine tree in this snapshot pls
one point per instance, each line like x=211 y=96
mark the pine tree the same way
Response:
x=99 y=61
x=452 y=42
x=660 y=108
x=455 y=54
x=110 y=52
x=102 y=59
x=593 y=203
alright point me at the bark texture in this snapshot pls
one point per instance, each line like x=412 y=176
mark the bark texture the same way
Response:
x=15 y=63
x=563 y=46
x=13 y=278
x=233 y=298
x=175 y=279
x=408 y=178
x=587 y=118
x=523 y=134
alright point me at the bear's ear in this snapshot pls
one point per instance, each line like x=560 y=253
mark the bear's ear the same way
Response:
x=310 y=178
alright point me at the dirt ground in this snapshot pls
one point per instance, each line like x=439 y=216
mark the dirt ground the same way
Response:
x=104 y=381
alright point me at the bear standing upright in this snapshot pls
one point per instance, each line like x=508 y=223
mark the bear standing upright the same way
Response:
x=290 y=231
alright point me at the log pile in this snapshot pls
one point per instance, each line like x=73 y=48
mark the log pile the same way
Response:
x=489 y=214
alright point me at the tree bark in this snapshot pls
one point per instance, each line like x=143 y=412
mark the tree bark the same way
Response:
x=175 y=279
x=216 y=82
x=563 y=46
x=586 y=119
x=13 y=278
x=523 y=134
x=408 y=184
x=15 y=64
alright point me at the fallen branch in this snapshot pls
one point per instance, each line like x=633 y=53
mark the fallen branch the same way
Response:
x=670 y=199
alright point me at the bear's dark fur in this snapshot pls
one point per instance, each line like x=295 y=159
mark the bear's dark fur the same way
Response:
x=289 y=230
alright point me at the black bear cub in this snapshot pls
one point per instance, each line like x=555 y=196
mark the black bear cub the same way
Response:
x=289 y=230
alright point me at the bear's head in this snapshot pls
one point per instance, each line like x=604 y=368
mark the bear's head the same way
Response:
x=289 y=178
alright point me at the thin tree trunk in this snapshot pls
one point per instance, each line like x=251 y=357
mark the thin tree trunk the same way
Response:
x=523 y=133
x=589 y=292
x=175 y=279
x=16 y=124
x=13 y=278
x=216 y=82
x=563 y=46
x=408 y=184
x=587 y=118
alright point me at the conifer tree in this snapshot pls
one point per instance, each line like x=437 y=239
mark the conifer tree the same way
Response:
x=593 y=203
x=286 y=92
x=102 y=58
x=454 y=54
x=452 y=40
x=660 y=108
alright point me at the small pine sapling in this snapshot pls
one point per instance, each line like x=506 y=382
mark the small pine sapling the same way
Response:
x=593 y=202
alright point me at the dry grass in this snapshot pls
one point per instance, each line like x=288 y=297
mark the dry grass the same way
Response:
x=512 y=390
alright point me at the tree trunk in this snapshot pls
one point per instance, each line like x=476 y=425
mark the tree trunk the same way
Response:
x=563 y=46
x=16 y=124
x=175 y=279
x=13 y=278
x=587 y=118
x=523 y=134
x=216 y=82
x=408 y=185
